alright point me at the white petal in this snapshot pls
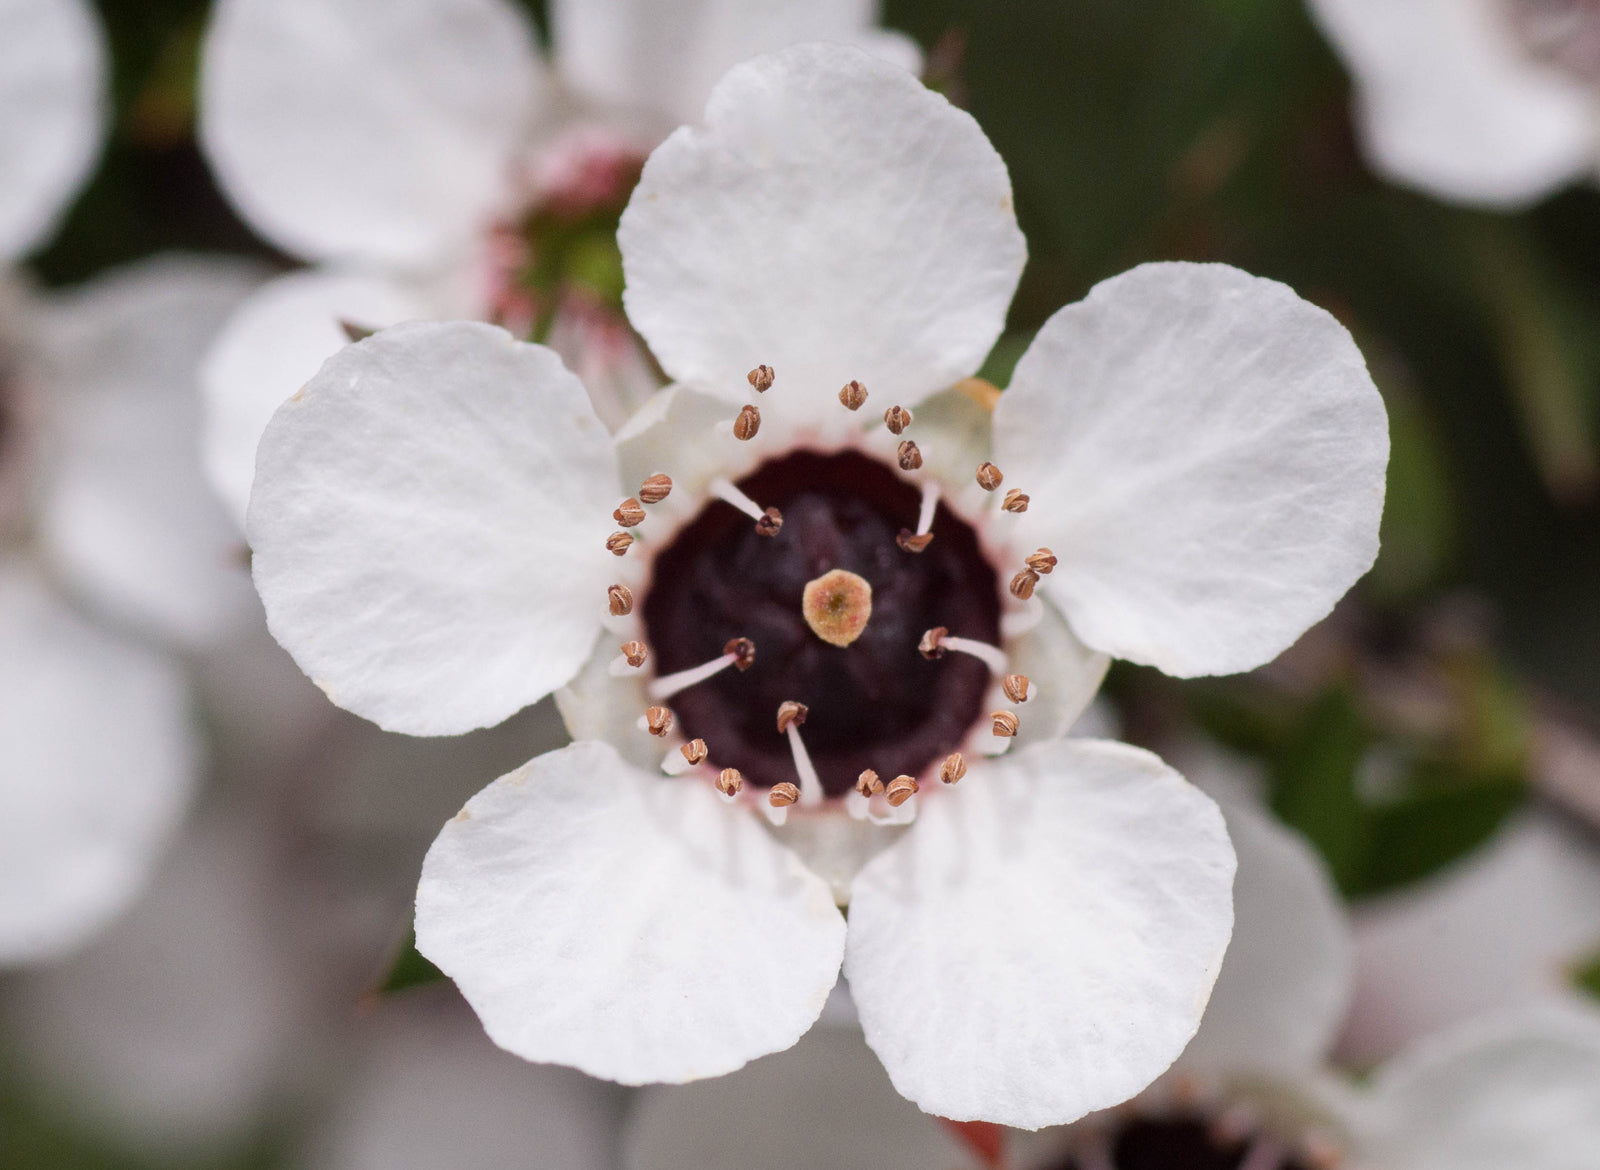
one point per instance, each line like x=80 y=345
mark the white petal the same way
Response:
x=273 y=344
x=429 y=522
x=666 y=55
x=1063 y=674
x=1447 y=102
x=1497 y=931
x=834 y=220
x=1043 y=941
x=1520 y=1091
x=97 y=761
x=126 y=510
x=52 y=113
x=824 y=1103
x=432 y=1091
x=633 y=927
x=384 y=129
x=1285 y=981
x=1205 y=452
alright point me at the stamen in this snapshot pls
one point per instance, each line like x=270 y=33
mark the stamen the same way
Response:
x=1266 y=1153
x=930 y=505
x=761 y=378
x=909 y=456
x=953 y=768
x=912 y=542
x=740 y=652
x=729 y=782
x=1016 y=687
x=1041 y=560
x=932 y=645
x=899 y=790
x=989 y=476
x=629 y=513
x=768 y=522
x=695 y=751
x=621 y=600
x=791 y=716
x=619 y=543
x=655 y=489
x=1015 y=501
x=853 y=395
x=1022 y=584
x=897 y=419
x=991 y=656
x=632 y=657
x=783 y=794
x=658 y=721
x=747 y=424
x=1005 y=724
x=837 y=606
x=868 y=784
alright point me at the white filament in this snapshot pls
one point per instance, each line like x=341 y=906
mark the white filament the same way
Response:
x=930 y=502
x=810 y=785
x=992 y=656
x=670 y=684
x=723 y=489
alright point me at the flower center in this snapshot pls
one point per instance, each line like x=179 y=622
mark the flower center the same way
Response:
x=1564 y=34
x=871 y=700
x=1182 y=1143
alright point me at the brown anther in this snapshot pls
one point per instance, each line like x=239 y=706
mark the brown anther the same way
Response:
x=743 y=651
x=695 y=751
x=791 y=712
x=897 y=419
x=629 y=513
x=900 y=790
x=635 y=653
x=1041 y=560
x=1022 y=584
x=989 y=476
x=1016 y=687
x=769 y=524
x=655 y=489
x=729 y=781
x=953 y=768
x=783 y=794
x=761 y=378
x=853 y=395
x=868 y=783
x=1015 y=501
x=909 y=455
x=619 y=542
x=621 y=598
x=932 y=644
x=747 y=424
x=913 y=542
x=658 y=720
x=837 y=606
x=1005 y=724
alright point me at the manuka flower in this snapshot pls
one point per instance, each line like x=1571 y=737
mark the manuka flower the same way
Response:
x=797 y=610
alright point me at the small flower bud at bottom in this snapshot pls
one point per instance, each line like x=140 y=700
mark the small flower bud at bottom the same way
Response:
x=989 y=476
x=1015 y=501
x=1022 y=584
x=1041 y=560
x=900 y=790
x=897 y=419
x=853 y=395
x=837 y=606
x=747 y=424
x=743 y=651
x=783 y=794
x=913 y=542
x=953 y=768
x=655 y=489
x=868 y=783
x=635 y=653
x=932 y=645
x=792 y=712
x=761 y=378
x=619 y=543
x=770 y=523
x=1016 y=687
x=909 y=456
x=1005 y=724
x=729 y=781
x=621 y=598
x=695 y=752
x=659 y=720
x=629 y=513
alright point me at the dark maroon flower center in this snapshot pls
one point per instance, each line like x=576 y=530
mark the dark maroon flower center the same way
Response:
x=876 y=703
x=1178 y=1144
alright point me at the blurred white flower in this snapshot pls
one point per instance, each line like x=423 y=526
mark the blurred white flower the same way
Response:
x=414 y=150
x=430 y=534
x=1490 y=102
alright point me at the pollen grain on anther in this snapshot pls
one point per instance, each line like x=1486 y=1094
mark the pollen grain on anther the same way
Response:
x=695 y=751
x=619 y=543
x=900 y=789
x=1016 y=687
x=989 y=476
x=620 y=598
x=635 y=652
x=655 y=489
x=761 y=378
x=730 y=781
x=747 y=423
x=953 y=768
x=897 y=419
x=658 y=721
x=853 y=395
x=1015 y=501
x=1005 y=723
x=629 y=513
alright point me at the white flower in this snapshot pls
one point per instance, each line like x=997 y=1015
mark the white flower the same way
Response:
x=406 y=147
x=1490 y=102
x=429 y=521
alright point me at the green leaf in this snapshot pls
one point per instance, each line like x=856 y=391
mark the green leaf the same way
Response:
x=1586 y=977
x=409 y=969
